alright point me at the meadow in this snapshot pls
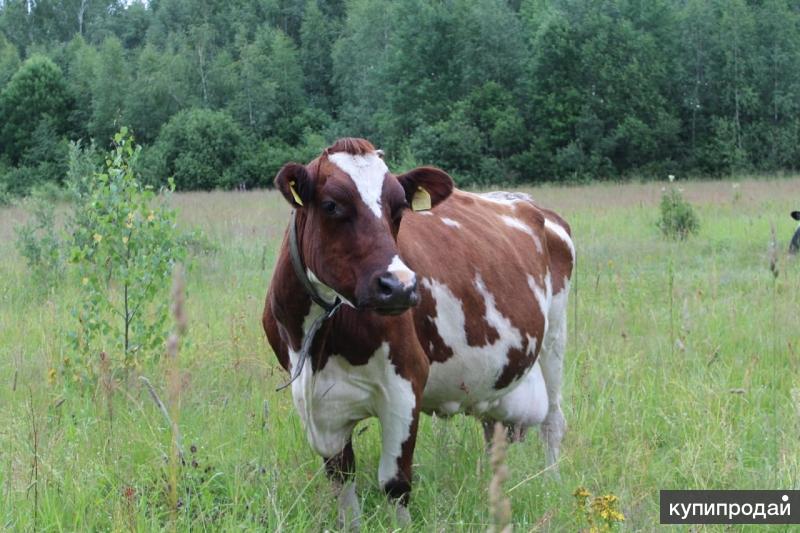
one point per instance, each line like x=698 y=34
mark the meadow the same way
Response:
x=681 y=372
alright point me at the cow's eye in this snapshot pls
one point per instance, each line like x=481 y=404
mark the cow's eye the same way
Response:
x=329 y=207
x=397 y=214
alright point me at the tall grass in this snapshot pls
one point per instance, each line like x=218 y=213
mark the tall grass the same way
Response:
x=722 y=412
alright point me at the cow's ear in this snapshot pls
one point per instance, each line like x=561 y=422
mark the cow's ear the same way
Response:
x=425 y=187
x=295 y=184
x=796 y=215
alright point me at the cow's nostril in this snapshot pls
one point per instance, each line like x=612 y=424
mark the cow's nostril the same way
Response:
x=387 y=284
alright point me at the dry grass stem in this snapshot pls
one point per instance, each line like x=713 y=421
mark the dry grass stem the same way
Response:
x=773 y=252
x=498 y=501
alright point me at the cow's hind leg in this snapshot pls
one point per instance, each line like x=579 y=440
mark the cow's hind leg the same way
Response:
x=341 y=471
x=551 y=360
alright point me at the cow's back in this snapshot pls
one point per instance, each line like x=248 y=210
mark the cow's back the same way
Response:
x=487 y=279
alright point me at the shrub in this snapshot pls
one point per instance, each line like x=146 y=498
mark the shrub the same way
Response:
x=82 y=162
x=453 y=144
x=125 y=243
x=18 y=181
x=678 y=219
x=261 y=161
x=5 y=196
x=43 y=162
x=199 y=148
x=39 y=243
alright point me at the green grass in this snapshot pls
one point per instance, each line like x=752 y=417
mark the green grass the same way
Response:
x=688 y=389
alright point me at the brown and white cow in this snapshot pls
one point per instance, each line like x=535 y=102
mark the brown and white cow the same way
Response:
x=460 y=308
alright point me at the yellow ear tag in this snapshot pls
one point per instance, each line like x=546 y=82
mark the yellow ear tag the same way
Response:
x=421 y=200
x=294 y=193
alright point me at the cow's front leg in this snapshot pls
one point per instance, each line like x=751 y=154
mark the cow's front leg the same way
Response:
x=398 y=399
x=399 y=435
x=341 y=471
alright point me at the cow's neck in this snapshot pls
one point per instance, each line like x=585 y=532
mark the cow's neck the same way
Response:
x=300 y=309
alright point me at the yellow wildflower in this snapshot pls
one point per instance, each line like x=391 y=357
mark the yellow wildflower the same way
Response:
x=581 y=492
x=85 y=281
x=97 y=237
x=151 y=217
x=124 y=240
x=51 y=376
x=606 y=508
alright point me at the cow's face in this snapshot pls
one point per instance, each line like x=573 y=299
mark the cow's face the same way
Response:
x=349 y=212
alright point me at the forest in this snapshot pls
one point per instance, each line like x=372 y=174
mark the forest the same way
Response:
x=221 y=93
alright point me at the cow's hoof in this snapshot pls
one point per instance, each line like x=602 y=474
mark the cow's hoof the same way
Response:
x=403 y=516
x=349 y=518
x=347 y=523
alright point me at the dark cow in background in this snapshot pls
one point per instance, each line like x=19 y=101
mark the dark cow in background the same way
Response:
x=461 y=307
x=794 y=246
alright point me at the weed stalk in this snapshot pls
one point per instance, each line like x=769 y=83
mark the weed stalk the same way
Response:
x=174 y=383
x=498 y=501
x=671 y=308
x=35 y=462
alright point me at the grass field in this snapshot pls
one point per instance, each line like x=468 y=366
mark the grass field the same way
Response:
x=682 y=372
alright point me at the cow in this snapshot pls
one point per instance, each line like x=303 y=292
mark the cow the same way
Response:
x=394 y=295
x=794 y=246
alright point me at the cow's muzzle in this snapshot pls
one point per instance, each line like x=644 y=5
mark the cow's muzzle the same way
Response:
x=393 y=294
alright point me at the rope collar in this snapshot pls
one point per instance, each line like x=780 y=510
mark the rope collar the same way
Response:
x=329 y=308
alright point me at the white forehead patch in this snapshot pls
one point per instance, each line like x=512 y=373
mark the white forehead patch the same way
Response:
x=367 y=172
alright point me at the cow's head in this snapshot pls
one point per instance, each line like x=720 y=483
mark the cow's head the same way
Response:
x=796 y=215
x=349 y=207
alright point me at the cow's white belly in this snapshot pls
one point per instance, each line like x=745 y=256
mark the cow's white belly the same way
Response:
x=465 y=382
x=524 y=402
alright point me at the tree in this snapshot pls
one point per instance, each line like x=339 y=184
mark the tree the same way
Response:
x=124 y=243
x=359 y=60
x=15 y=24
x=155 y=94
x=420 y=67
x=108 y=91
x=270 y=86
x=480 y=139
x=130 y=22
x=36 y=93
x=773 y=139
x=598 y=100
x=317 y=36
x=499 y=90
x=9 y=60
x=696 y=22
x=80 y=66
x=734 y=84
